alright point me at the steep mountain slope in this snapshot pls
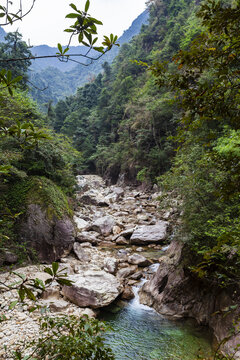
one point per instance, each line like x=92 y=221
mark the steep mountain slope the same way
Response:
x=121 y=122
x=62 y=79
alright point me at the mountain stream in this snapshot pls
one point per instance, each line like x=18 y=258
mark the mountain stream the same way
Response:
x=140 y=333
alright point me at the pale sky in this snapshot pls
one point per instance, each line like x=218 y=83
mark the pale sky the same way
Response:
x=46 y=22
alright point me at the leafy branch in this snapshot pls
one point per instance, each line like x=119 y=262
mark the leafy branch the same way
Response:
x=13 y=17
x=26 y=287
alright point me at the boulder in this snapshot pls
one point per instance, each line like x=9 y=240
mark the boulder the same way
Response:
x=127 y=293
x=126 y=271
x=55 y=306
x=147 y=234
x=88 y=236
x=136 y=276
x=104 y=225
x=94 y=289
x=139 y=260
x=118 y=191
x=93 y=197
x=51 y=293
x=89 y=181
x=122 y=241
x=81 y=223
x=51 y=238
x=9 y=258
x=116 y=230
x=126 y=233
x=111 y=265
x=80 y=253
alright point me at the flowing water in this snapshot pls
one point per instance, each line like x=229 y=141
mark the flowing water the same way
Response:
x=140 y=333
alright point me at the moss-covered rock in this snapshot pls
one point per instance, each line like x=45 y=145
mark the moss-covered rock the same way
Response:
x=45 y=223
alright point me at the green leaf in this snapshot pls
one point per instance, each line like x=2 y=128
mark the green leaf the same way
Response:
x=16 y=79
x=66 y=50
x=55 y=267
x=73 y=6
x=60 y=48
x=21 y=293
x=69 y=30
x=13 y=304
x=99 y=48
x=48 y=271
x=71 y=16
x=9 y=76
x=30 y=294
x=86 y=44
x=98 y=22
x=80 y=37
x=87 y=6
x=48 y=281
x=63 y=281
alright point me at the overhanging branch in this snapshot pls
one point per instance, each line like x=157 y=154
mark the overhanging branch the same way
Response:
x=63 y=58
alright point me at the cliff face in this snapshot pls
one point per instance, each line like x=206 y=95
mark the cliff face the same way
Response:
x=174 y=292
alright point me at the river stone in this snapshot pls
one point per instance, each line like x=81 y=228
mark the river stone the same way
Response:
x=93 y=197
x=118 y=190
x=126 y=233
x=127 y=293
x=126 y=271
x=104 y=225
x=88 y=236
x=111 y=265
x=81 y=223
x=80 y=253
x=51 y=293
x=56 y=305
x=146 y=234
x=122 y=241
x=93 y=181
x=139 y=260
x=94 y=289
x=136 y=276
x=116 y=230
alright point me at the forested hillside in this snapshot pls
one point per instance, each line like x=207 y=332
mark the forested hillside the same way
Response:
x=140 y=120
x=121 y=121
x=163 y=117
x=63 y=78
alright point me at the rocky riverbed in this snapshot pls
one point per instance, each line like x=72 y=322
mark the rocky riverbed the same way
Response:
x=119 y=233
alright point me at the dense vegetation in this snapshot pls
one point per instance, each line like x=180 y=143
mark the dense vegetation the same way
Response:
x=121 y=121
x=32 y=155
x=131 y=121
x=166 y=112
x=38 y=165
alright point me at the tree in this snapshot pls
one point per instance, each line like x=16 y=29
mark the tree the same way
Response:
x=206 y=82
x=14 y=47
x=84 y=28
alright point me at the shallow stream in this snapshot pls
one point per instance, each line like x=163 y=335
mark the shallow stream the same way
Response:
x=140 y=333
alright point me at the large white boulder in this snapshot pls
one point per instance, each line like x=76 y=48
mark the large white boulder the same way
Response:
x=147 y=234
x=94 y=289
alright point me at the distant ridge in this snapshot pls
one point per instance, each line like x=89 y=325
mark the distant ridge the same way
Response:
x=63 y=79
x=41 y=50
